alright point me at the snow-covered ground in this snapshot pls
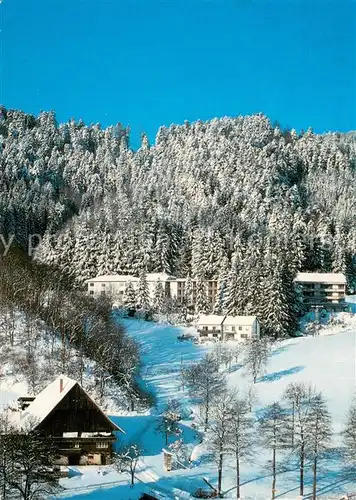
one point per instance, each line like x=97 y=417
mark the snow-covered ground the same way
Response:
x=328 y=361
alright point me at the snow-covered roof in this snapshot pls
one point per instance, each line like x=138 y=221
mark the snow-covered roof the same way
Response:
x=159 y=276
x=47 y=400
x=118 y=278
x=112 y=278
x=337 y=278
x=239 y=320
x=210 y=319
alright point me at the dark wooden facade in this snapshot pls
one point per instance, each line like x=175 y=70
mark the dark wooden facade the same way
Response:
x=83 y=434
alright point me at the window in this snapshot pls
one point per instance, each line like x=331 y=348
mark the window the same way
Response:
x=91 y=292
x=214 y=328
x=205 y=328
x=233 y=329
x=101 y=444
x=244 y=336
x=103 y=284
x=240 y=328
x=102 y=292
x=76 y=445
x=91 y=284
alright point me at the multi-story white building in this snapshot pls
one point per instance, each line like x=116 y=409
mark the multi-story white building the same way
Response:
x=323 y=290
x=228 y=327
x=114 y=285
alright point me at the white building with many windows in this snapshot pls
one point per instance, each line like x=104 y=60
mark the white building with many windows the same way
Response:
x=114 y=285
x=323 y=290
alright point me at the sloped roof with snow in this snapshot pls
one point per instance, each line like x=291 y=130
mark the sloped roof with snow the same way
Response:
x=159 y=276
x=210 y=319
x=48 y=399
x=326 y=278
x=239 y=320
x=118 y=278
x=112 y=278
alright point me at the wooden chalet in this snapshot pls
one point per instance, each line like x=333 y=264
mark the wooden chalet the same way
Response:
x=63 y=411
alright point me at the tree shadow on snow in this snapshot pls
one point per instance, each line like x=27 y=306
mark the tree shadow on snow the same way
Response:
x=279 y=350
x=142 y=429
x=272 y=377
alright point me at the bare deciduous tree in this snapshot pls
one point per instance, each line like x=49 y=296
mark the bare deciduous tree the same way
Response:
x=218 y=431
x=204 y=382
x=272 y=425
x=350 y=435
x=127 y=459
x=256 y=357
x=241 y=436
x=26 y=469
x=319 y=434
x=168 y=422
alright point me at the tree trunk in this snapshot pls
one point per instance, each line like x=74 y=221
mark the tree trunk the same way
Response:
x=293 y=418
x=132 y=478
x=314 y=476
x=301 y=477
x=206 y=415
x=274 y=473
x=166 y=438
x=220 y=471
x=237 y=476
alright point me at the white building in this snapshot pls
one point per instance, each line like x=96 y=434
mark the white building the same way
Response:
x=323 y=290
x=228 y=327
x=114 y=285
x=210 y=326
x=241 y=327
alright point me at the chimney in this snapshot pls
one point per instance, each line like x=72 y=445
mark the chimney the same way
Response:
x=60 y=385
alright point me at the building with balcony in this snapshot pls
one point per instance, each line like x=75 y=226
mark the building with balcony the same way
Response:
x=215 y=327
x=323 y=290
x=177 y=289
x=82 y=434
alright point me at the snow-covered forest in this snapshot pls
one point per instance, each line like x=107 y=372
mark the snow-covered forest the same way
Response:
x=48 y=327
x=235 y=199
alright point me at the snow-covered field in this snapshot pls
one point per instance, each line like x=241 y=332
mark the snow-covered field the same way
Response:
x=328 y=361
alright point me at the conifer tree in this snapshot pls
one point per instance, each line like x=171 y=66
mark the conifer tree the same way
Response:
x=159 y=297
x=143 y=293
x=188 y=293
x=130 y=298
x=201 y=302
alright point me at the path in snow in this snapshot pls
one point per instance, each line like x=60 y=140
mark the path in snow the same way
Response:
x=163 y=356
x=327 y=361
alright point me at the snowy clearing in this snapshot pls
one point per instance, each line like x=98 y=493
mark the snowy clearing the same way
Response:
x=328 y=361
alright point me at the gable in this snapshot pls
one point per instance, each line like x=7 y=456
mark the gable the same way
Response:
x=76 y=412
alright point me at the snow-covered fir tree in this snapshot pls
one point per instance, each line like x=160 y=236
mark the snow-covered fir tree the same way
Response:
x=143 y=293
x=230 y=190
x=159 y=297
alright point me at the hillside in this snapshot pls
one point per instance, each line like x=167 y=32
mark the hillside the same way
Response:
x=328 y=361
x=48 y=326
x=235 y=199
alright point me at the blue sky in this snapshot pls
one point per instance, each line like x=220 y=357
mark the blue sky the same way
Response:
x=148 y=63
